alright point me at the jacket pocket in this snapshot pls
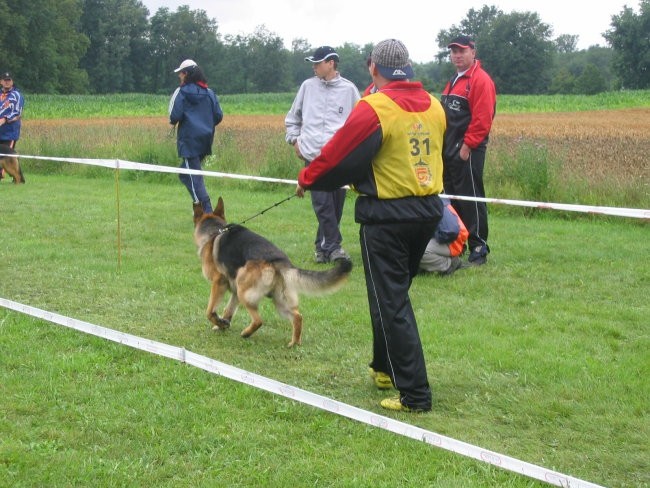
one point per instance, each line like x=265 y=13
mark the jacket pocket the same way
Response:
x=452 y=150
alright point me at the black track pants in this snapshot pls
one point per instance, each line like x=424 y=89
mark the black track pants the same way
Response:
x=391 y=257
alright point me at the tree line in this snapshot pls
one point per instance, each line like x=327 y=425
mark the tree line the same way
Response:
x=111 y=46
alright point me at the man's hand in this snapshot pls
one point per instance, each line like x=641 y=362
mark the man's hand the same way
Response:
x=300 y=191
x=465 y=151
x=296 y=148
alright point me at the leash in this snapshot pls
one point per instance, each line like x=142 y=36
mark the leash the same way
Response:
x=267 y=209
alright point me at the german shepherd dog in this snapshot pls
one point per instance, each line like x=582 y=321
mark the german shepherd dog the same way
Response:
x=11 y=164
x=237 y=259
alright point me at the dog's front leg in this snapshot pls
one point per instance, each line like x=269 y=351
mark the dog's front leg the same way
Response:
x=231 y=307
x=217 y=290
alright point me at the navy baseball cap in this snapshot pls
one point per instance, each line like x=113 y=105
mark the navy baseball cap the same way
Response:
x=323 y=53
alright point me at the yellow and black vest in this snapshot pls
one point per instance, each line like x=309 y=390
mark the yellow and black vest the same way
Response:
x=409 y=162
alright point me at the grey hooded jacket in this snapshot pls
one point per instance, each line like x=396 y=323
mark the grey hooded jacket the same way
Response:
x=318 y=111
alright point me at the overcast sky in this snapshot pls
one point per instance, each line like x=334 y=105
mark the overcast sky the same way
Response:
x=335 y=22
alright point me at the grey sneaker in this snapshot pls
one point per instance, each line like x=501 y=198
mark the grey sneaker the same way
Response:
x=339 y=253
x=320 y=257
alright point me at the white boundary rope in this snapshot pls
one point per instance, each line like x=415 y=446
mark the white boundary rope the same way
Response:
x=303 y=396
x=120 y=164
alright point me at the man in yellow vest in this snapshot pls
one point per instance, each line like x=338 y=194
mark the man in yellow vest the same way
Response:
x=390 y=151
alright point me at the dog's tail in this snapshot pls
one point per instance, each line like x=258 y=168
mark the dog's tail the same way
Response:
x=319 y=282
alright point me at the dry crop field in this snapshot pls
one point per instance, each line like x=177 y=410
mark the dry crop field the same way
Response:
x=597 y=144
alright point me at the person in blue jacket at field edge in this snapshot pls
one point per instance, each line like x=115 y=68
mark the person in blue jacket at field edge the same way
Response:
x=196 y=110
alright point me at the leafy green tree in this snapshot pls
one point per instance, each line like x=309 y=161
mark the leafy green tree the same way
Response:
x=46 y=44
x=299 y=69
x=476 y=24
x=631 y=43
x=590 y=81
x=118 y=56
x=570 y=66
x=180 y=35
x=517 y=52
x=268 y=62
x=564 y=82
x=514 y=48
x=234 y=67
x=566 y=43
x=353 y=63
x=433 y=75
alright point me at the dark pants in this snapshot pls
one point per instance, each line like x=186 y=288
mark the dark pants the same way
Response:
x=195 y=184
x=465 y=178
x=328 y=207
x=9 y=142
x=391 y=257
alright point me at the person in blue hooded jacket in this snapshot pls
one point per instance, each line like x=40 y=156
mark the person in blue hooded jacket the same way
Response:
x=194 y=109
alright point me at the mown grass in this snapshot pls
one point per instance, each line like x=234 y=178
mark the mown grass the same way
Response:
x=40 y=106
x=541 y=354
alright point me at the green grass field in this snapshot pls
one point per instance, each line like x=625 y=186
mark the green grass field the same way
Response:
x=540 y=355
x=131 y=104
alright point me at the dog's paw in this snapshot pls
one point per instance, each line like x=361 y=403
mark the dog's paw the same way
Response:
x=219 y=323
x=294 y=343
x=223 y=323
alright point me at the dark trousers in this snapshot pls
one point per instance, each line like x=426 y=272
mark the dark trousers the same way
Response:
x=465 y=178
x=195 y=184
x=328 y=207
x=391 y=256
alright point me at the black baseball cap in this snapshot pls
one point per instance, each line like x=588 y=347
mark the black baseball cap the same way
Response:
x=6 y=76
x=462 y=41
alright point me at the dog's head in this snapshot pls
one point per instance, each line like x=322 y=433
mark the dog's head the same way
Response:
x=208 y=225
x=218 y=212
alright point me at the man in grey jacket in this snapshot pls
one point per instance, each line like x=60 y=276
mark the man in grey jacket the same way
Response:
x=320 y=108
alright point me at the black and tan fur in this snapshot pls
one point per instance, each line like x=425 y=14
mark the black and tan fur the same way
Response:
x=11 y=164
x=237 y=259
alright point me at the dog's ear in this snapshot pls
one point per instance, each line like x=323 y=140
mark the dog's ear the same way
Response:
x=219 y=211
x=198 y=212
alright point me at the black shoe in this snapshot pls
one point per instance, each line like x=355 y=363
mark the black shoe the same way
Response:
x=337 y=254
x=320 y=257
x=478 y=256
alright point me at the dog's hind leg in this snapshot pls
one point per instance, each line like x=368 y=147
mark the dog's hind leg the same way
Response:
x=251 y=299
x=254 y=282
x=256 y=321
x=296 y=324
x=286 y=303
